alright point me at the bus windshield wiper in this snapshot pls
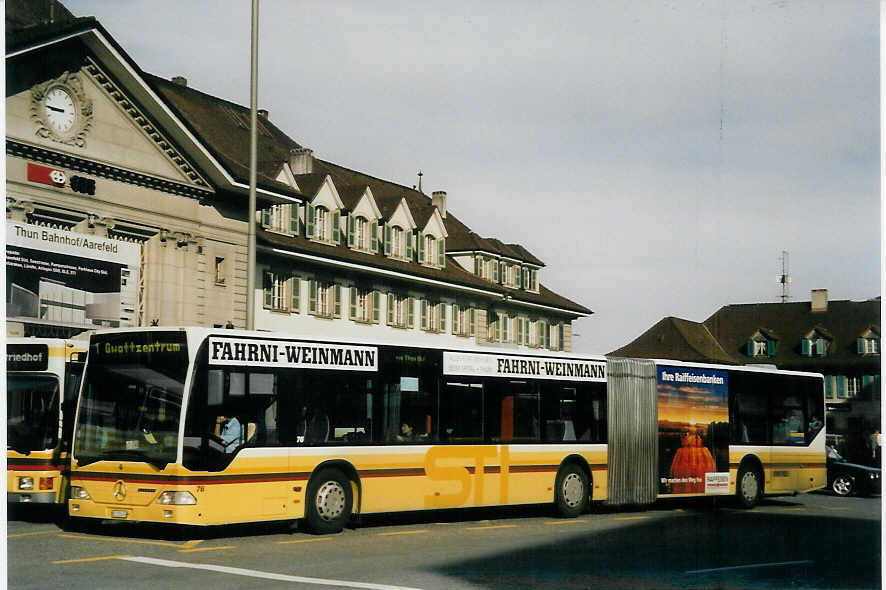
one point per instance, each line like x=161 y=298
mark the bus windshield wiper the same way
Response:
x=127 y=455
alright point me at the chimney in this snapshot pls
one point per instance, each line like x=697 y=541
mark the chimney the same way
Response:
x=438 y=199
x=819 y=300
x=301 y=160
x=180 y=81
x=263 y=113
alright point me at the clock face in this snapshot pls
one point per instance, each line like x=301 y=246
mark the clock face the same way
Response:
x=59 y=110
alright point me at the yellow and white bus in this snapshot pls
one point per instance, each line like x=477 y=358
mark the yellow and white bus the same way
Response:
x=42 y=381
x=204 y=427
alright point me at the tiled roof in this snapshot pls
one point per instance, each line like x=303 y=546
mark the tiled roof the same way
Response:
x=677 y=339
x=843 y=322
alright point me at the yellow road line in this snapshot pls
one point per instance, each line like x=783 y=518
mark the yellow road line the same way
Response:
x=207 y=549
x=190 y=544
x=418 y=532
x=631 y=517
x=122 y=540
x=86 y=559
x=304 y=541
x=560 y=522
x=489 y=528
x=16 y=535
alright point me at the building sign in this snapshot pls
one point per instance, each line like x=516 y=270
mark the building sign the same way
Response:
x=289 y=354
x=62 y=278
x=27 y=357
x=693 y=430
x=499 y=365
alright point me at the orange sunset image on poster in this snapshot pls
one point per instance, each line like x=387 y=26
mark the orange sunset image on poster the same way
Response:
x=693 y=416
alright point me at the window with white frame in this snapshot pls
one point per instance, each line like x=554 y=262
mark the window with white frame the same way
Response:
x=281 y=292
x=398 y=242
x=869 y=343
x=463 y=318
x=433 y=316
x=400 y=310
x=322 y=224
x=362 y=233
x=555 y=335
x=281 y=219
x=364 y=305
x=815 y=345
x=324 y=299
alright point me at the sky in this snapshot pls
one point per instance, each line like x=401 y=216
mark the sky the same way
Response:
x=657 y=156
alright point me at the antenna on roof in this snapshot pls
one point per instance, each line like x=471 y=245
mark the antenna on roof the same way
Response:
x=420 y=174
x=785 y=277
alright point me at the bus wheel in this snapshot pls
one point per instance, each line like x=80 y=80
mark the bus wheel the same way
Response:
x=750 y=487
x=571 y=491
x=329 y=501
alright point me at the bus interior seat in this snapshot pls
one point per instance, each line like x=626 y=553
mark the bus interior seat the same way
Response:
x=251 y=429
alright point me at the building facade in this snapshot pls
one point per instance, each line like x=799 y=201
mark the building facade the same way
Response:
x=839 y=339
x=127 y=206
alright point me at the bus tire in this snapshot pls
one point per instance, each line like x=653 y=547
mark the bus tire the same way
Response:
x=749 y=486
x=329 y=502
x=571 y=491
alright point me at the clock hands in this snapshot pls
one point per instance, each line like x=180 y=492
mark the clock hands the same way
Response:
x=56 y=109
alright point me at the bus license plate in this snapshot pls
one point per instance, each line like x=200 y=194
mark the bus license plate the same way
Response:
x=119 y=514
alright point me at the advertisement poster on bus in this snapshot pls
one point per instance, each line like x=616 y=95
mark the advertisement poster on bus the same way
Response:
x=61 y=278
x=693 y=431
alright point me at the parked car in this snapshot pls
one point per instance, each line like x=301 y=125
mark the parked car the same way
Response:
x=851 y=479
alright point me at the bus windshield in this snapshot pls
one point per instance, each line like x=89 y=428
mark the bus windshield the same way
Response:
x=33 y=405
x=130 y=404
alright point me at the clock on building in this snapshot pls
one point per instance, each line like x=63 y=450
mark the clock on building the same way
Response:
x=61 y=110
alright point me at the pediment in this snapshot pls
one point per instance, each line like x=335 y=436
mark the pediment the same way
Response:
x=106 y=126
x=435 y=226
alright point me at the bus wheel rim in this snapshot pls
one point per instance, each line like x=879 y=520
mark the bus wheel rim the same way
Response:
x=573 y=489
x=749 y=485
x=330 y=501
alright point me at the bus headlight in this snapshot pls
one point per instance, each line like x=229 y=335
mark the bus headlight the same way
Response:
x=79 y=493
x=176 y=498
x=26 y=483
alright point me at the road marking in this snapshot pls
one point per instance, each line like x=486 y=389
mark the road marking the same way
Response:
x=490 y=527
x=750 y=566
x=631 y=517
x=304 y=541
x=561 y=522
x=236 y=571
x=190 y=544
x=122 y=540
x=16 y=535
x=219 y=548
x=418 y=532
x=86 y=559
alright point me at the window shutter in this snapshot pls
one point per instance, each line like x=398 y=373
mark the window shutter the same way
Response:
x=441 y=247
x=312 y=297
x=293 y=219
x=841 y=386
x=373 y=236
x=859 y=343
x=770 y=347
x=408 y=237
x=750 y=347
x=310 y=220
x=295 y=294
x=819 y=346
x=477 y=265
x=387 y=238
x=442 y=308
x=410 y=312
x=495 y=272
x=455 y=319
x=421 y=247
x=351 y=230
x=519 y=329
x=376 y=307
x=828 y=386
x=471 y=322
x=352 y=292
x=498 y=327
x=390 y=309
x=337 y=308
x=805 y=347
x=336 y=227
x=267 y=287
x=424 y=314
x=265 y=218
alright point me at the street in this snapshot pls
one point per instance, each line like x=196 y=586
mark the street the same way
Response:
x=808 y=541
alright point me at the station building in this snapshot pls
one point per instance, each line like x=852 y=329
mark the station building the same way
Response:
x=127 y=198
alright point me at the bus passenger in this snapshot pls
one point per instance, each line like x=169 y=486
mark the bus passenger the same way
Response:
x=230 y=431
x=406 y=433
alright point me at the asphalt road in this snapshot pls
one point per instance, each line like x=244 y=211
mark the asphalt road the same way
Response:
x=807 y=541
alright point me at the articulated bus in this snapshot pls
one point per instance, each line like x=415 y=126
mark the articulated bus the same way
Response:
x=42 y=381
x=194 y=426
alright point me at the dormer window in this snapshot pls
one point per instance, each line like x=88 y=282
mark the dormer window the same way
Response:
x=397 y=242
x=815 y=343
x=869 y=342
x=322 y=225
x=281 y=219
x=362 y=233
x=431 y=250
x=761 y=344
